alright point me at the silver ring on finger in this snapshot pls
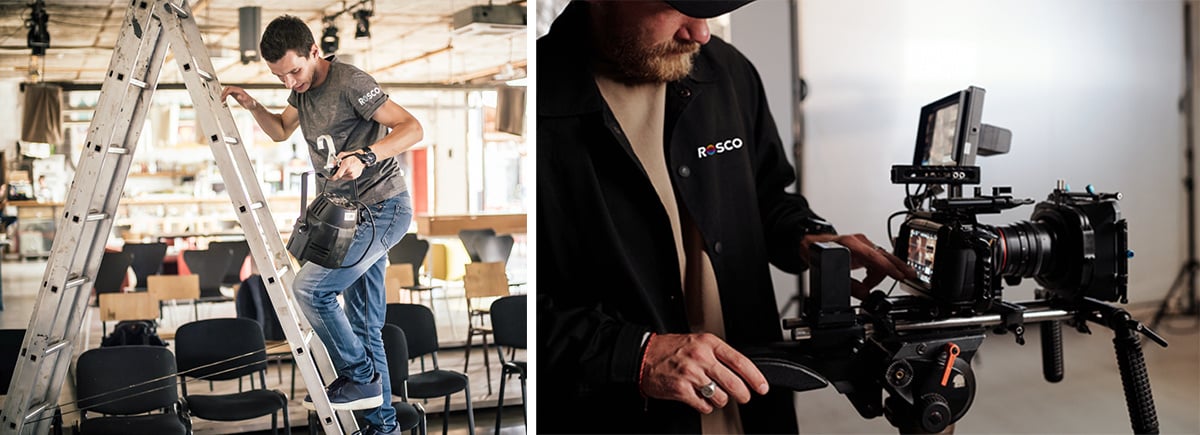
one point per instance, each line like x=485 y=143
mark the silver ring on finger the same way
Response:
x=708 y=390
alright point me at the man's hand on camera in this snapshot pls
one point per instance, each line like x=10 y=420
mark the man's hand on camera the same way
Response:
x=879 y=262
x=348 y=168
x=677 y=366
x=240 y=96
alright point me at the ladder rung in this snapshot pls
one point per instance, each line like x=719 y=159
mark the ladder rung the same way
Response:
x=281 y=270
x=117 y=150
x=96 y=217
x=137 y=83
x=207 y=76
x=257 y=205
x=177 y=10
x=55 y=347
x=231 y=140
x=77 y=282
x=36 y=410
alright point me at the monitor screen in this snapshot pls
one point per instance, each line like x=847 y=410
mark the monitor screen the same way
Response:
x=948 y=130
x=922 y=245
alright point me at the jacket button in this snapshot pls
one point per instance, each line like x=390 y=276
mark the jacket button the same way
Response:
x=685 y=171
x=685 y=92
x=717 y=247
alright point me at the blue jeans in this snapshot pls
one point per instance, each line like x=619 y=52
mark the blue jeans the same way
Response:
x=353 y=336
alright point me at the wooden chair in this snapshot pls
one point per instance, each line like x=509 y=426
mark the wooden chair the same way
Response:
x=482 y=280
x=173 y=288
x=126 y=306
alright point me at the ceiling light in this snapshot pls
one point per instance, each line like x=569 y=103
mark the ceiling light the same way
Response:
x=39 y=35
x=362 y=26
x=329 y=39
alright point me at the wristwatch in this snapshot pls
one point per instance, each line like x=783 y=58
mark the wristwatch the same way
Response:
x=367 y=157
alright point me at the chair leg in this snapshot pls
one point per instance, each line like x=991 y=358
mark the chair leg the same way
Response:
x=487 y=367
x=470 y=410
x=274 y=424
x=524 y=404
x=467 y=356
x=500 y=402
x=446 y=418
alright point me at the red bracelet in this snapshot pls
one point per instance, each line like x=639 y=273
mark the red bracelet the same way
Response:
x=642 y=366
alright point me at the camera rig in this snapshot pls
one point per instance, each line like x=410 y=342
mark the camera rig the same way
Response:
x=918 y=347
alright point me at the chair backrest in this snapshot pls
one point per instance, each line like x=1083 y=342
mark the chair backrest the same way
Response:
x=418 y=325
x=412 y=251
x=252 y=302
x=126 y=380
x=485 y=280
x=210 y=265
x=509 y=322
x=147 y=260
x=470 y=239
x=220 y=348
x=395 y=345
x=10 y=349
x=238 y=251
x=171 y=287
x=395 y=278
x=113 y=267
x=494 y=249
x=128 y=306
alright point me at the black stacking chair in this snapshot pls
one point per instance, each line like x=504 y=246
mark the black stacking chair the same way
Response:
x=412 y=250
x=210 y=265
x=10 y=350
x=147 y=260
x=237 y=255
x=111 y=275
x=134 y=387
x=409 y=416
x=421 y=336
x=494 y=249
x=252 y=302
x=225 y=349
x=508 y=330
x=470 y=239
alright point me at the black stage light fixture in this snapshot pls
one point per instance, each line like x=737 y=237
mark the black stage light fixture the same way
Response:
x=362 y=27
x=39 y=35
x=249 y=27
x=329 y=38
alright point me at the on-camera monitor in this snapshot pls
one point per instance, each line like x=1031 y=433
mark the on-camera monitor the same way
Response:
x=922 y=245
x=948 y=130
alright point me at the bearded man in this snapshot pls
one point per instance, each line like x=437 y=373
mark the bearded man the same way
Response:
x=661 y=202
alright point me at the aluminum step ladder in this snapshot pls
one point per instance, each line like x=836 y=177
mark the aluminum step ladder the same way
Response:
x=150 y=28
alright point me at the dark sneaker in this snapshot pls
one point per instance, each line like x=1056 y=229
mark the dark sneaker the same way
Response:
x=336 y=384
x=352 y=395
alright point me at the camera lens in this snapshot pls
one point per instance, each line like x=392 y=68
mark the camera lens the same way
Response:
x=1025 y=249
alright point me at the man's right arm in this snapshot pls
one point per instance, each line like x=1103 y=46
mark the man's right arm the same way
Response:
x=278 y=126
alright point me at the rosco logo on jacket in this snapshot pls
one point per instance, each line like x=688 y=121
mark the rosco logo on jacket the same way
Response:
x=719 y=147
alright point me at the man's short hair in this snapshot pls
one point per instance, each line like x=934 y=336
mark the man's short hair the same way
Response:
x=285 y=33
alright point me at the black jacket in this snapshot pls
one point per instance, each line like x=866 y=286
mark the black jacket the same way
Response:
x=607 y=263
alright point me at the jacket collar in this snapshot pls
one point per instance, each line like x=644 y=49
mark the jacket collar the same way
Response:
x=566 y=86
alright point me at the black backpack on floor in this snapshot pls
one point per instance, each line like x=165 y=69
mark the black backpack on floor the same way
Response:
x=133 y=332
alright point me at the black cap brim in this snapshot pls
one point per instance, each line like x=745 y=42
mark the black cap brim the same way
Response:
x=706 y=8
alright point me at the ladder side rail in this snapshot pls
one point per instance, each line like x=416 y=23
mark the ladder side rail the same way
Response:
x=66 y=288
x=242 y=185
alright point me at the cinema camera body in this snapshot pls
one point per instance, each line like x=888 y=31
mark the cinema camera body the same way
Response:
x=917 y=348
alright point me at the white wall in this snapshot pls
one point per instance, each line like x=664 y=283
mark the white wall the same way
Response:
x=1088 y=88
x=10 y=115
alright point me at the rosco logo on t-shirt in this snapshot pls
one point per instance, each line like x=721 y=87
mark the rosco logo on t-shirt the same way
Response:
x=369 y=96
x=719 y=147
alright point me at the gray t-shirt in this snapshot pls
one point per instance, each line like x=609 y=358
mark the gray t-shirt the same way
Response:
x=341 y=109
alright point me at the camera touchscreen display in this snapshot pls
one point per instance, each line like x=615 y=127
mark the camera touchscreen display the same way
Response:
x=921 y=248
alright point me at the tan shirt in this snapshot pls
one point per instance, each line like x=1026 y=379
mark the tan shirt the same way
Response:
x=641 y=111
